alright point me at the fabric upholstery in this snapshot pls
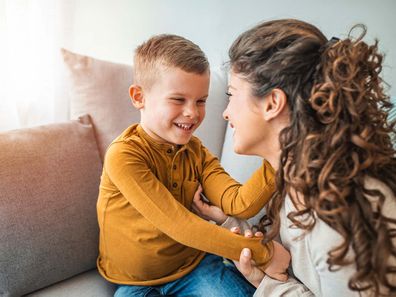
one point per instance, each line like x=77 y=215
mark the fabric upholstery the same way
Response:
x=49 y=178
x=87 y=284
x=239 y=167
x=213 y=128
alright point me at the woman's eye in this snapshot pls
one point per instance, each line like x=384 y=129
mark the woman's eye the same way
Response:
x=228 y=94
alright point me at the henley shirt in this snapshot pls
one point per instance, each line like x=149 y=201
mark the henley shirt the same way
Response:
x=148 y=234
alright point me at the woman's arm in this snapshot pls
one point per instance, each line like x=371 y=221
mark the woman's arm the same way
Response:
x=321 y=240
x=290 y=288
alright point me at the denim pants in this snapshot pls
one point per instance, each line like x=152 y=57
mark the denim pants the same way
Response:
x=213 y=277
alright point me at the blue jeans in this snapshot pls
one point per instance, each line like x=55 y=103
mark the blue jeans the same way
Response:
x=213 y=277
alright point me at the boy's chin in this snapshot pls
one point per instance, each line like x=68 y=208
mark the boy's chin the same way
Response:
x=181 y=140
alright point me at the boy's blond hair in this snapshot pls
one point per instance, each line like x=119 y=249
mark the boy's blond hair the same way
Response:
x=167 y=50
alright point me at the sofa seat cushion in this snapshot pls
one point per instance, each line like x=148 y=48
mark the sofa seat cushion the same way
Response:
x=87 y=284
x=49 y=180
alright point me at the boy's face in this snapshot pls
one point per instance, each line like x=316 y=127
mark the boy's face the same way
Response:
x=174 y=107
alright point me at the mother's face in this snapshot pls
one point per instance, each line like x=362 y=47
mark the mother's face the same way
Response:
x=245 y=114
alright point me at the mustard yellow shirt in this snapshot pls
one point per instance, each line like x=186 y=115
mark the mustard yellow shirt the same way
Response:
x=148 y=234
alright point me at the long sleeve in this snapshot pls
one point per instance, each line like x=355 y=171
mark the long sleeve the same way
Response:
x=130 y=173
x=242 y=201
x=332 y=283
x=291 y=288
x=231 y=222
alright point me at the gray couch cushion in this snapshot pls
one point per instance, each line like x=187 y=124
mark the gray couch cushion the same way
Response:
x=213 y=128
x=49 y=178
x=87 y=284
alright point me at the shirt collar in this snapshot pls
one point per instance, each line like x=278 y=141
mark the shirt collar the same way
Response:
x=165 y=146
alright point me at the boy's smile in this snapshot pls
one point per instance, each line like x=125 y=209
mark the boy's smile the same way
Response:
x=174 y=106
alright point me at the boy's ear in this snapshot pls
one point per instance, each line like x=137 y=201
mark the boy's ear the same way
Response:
x=274 y=104
x=136 y=94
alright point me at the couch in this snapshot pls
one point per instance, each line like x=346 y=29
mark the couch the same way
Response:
x=49 y=179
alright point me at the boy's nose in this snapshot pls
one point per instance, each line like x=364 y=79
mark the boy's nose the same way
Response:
x=191 y=112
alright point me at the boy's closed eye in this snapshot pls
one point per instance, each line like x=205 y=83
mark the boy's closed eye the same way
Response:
x=177 y=100
x=201 y=102
x=182 y=100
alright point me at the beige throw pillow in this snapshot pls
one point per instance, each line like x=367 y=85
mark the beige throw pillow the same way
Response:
x=100 y=89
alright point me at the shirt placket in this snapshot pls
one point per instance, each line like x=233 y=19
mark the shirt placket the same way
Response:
x=174 y=174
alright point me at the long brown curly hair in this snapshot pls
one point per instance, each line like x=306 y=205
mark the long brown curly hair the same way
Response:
x=338 y=136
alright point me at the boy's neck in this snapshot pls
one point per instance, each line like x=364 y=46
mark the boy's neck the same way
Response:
x=155 y=138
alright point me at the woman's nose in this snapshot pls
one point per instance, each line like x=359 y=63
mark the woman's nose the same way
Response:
x=225 y=115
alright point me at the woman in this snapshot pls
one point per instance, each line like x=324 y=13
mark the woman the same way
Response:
x=316 y=110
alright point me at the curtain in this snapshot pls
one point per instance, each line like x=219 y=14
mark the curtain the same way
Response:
x=32 y=32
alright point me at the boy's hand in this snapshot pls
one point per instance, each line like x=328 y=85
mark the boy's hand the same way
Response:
x=205 y=210
x=277 y=268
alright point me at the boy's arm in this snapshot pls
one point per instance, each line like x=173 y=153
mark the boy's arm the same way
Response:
x=242 y=201
x=130 y=173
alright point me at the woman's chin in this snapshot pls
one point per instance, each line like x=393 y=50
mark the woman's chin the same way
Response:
x=238 y=150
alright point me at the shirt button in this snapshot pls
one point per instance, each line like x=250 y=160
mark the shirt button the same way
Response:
x=169 y=151
x=174 y=185
x=174 y=167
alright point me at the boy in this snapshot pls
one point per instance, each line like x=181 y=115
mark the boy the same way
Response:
x=150 y=241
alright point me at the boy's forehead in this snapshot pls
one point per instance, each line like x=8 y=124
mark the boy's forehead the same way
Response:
x=174 y=75
x=176 y=81
x=169 y=69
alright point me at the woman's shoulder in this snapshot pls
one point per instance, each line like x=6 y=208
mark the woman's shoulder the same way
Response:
x=323 y=235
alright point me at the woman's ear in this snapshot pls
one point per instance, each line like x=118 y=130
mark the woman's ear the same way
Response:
x=136 y=94
x=274 y=104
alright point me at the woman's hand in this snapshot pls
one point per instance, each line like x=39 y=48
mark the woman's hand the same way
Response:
x=206 y=210
x=280 y=261
x=277 y=268
x=246 y=265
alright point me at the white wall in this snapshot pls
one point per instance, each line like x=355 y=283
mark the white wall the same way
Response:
x=111 y=29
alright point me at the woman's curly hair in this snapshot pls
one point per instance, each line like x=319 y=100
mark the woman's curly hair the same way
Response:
x=338 y=136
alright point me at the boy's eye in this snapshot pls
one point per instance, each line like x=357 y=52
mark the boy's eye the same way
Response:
x=177 y=100
x=201 y=102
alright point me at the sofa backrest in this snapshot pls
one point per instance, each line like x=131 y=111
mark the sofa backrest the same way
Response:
x=238 y=166
x=49 y=179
